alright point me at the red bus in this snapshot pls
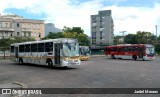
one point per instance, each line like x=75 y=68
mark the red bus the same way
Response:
x=131 y=51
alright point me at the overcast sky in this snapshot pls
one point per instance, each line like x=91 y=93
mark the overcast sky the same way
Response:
x=128 y=15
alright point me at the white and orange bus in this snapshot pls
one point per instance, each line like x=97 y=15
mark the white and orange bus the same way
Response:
x=61 y=52
x=131 y=51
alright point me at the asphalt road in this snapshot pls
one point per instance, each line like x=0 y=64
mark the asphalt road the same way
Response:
x=98 y=72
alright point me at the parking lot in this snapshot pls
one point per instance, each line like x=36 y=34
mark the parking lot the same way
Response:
x=98 y=72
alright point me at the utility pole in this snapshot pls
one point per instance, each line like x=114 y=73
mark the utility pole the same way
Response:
x=156 y=33
x=123 y=34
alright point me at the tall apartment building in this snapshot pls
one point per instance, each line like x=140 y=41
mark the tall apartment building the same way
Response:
x=50 y=27
x=13 y=25
x=102 y=28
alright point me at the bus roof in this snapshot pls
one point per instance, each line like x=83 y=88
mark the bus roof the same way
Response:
x=129 y=45
x=58 y=40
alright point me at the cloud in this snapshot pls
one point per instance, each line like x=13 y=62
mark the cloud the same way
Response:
x=133 y=19
x=75 y=13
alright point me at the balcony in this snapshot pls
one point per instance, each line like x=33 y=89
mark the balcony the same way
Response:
x=27 y=29
x=6 y=29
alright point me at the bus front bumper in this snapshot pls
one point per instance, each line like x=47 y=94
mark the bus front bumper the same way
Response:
x=70 y=62
x=148 y=58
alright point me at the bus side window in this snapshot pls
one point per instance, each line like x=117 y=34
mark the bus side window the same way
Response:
x=40 y=47
x=130 y=49
x=33 y=47
x=49 y=47
x=125 y=49
x=27 y=48
x=122 y=49
x=119 y=49
x=12 y=49
x=134 y=48
x=114 y=49
x=21 y=48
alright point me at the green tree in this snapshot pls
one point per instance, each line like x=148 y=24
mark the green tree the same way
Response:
x=143 y=37
x=76 y=30
x=53 y=35
x=116 y=40
x=6 y=42
x=83 y=40
x=67 y=32
x=130 y=39
x=77 y=33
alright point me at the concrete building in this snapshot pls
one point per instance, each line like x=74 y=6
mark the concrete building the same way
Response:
x=13 y=25
x=102 y=28
x=50 y=27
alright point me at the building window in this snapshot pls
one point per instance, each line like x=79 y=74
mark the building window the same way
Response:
x=10 y=25
x=6 y=33
x=34 y=26
x=24 y=33
x=11 y=34
x=24 y=25
x=29 y=34
x=6 y=25
x=17 y=24
x=101 y=29
x=0 y=24
x=18 y=34
x=35 y=34
x=39 y=35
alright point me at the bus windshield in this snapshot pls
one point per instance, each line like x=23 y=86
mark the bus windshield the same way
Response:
x=70 y=49
x=84 y=51
x=150 y=50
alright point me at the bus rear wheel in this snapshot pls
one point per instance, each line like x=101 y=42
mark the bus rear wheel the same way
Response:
x=134 y=57
x=49 y=63
x=21 y=61
x=112 y=56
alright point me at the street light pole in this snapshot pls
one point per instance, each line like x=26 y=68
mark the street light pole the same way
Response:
x=156 y=33
x=123 y=34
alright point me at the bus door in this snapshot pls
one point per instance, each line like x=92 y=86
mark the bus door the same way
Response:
x=57 y=53
x=16 y=52
x=140 y=52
